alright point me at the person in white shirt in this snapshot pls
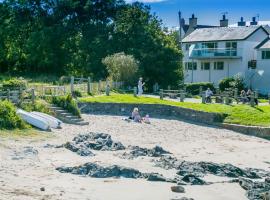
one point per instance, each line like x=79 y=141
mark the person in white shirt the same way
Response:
x=208 y=94
x=140 y=86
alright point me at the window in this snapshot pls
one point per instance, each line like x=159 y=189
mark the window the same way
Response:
x=205 y=66
x=265 y=54
x=218 y=65
x=188 y=66
x=209 y=45
x=187 y=47
x=231 y=45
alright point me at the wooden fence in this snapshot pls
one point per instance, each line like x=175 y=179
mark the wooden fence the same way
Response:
x=18 y=96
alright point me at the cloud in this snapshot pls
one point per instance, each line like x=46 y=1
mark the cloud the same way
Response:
x=145 y=1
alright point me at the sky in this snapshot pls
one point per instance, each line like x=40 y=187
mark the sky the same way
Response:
x=209 y=12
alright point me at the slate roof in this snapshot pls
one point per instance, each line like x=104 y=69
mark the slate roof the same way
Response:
x=221 y=34
x=264 y=44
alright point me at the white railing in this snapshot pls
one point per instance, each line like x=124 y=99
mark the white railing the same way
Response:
x=215 y=53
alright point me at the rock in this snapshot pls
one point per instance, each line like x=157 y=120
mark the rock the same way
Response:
x=193 y=180
x=178 y=189
x=42 y=189
x=97 y=171
x=83 y=143
x=256 y=190
x=137 y=151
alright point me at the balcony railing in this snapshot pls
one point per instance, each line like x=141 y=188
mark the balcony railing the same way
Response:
x=215 y=53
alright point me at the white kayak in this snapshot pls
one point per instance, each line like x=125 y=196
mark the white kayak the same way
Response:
x=53 y=122
x=34 y=120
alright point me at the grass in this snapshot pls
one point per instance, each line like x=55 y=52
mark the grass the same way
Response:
x=236 y=114
x=26 y=133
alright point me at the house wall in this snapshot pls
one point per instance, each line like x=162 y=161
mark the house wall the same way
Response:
x=233 y=66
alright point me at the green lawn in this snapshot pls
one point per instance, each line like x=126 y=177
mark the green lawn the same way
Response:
x=26 y=133
x=237 y=114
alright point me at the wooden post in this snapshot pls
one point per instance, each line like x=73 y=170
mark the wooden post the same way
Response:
x=227 y=100
x=135 y=91
x=88 y=85
x=99 y=85
x=107 y=90
x=161 y=94
x=256 y=94
x=200 y=90
x=72 y=85
x=20 y=95
x=203 y=98
x=236 y=95
x=182 y=96
x=252 y=100
x=8 y=94
x=33 y=95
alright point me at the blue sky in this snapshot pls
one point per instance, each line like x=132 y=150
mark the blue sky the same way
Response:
x=209 y=11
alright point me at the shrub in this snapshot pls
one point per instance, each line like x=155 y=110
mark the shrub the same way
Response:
x=77 y=93
x=67 y=103
x=13 y=84
x=39 y=106
x=8 y=117
x=194 y=88
x=232 y=82
x=121 y=67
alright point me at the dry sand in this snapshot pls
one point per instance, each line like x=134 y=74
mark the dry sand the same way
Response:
x=26 y=165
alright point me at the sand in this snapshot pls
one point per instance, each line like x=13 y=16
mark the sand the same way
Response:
x=28 y=165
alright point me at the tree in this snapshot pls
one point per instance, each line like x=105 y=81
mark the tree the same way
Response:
x=121 y=67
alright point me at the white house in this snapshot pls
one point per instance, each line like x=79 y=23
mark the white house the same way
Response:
x=211 y=54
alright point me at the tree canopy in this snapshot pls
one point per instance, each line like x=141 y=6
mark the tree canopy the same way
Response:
x=73 y=36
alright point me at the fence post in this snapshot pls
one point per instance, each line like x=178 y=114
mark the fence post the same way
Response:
x=8 y=94
x=135 y=91
x=200 y=90
x=203 y=97
x=99 y=85
x=33 y=95
x=20 y=95
x=88 y=85
x=227 y=101
x=72 y=85
x=161 y=94
x=252 y=100
x=107 y=90
x=182 y=96
x=256 y=94
x=236 y=95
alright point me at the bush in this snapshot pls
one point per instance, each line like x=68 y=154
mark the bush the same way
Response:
x=8 y=117
x=194 y=88
x=67 y=103
x=121 y=67
x=14 y=84
x=77 y=93
x=233 y=82
x=39 y=106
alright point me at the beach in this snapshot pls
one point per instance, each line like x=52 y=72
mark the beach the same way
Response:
x=28 y=166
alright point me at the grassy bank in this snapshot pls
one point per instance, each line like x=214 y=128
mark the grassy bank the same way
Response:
x=27 y=133
x=237 y=114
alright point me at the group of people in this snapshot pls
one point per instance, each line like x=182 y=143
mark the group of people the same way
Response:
x=245 y=97
x=136 y=117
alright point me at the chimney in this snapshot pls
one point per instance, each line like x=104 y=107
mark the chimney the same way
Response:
x=242 y=22
x=192 y=21
x=224 y=22
x=254 y=22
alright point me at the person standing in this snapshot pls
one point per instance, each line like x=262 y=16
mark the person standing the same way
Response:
x=140 y=86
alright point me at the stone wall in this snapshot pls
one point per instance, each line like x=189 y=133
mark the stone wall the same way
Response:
x=154 y=110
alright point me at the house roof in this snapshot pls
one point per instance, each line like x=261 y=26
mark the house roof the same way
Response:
x=264 y=44
x=221 y=34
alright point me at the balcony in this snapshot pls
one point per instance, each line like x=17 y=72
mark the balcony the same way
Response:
x=226 y=53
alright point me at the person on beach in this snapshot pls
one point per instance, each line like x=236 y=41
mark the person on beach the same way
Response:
x=208 y=94
x=140 y=86
x=135 y=115
x=146 y=119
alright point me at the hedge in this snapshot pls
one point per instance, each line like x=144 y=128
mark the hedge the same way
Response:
x=194 y=88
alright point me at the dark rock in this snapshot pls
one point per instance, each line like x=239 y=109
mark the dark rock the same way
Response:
x=97 y=171
x=256 y=190
x=193 y=180
x=82 y=144
x=137 y=151
x=178 y=189
x=42 y=189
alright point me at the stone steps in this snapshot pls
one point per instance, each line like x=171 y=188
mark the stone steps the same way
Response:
x=67 y=117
